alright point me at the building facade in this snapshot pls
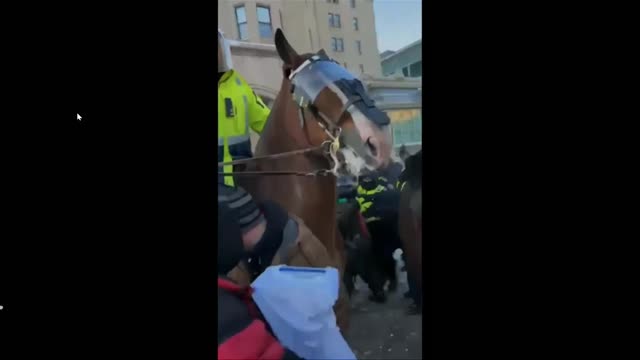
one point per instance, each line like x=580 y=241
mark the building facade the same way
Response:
x=401 y=99
x=345 y=29
x=406 y=62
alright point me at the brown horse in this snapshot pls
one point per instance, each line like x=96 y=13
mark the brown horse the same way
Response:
x=328 y=103
x=410 y=219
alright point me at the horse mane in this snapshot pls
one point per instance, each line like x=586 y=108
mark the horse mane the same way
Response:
x=413 y=170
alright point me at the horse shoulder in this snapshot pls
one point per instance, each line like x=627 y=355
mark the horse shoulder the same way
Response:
x=311 y=251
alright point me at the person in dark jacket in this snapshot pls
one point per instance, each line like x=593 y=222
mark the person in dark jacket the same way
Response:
x=379 y=203
x=242 y=331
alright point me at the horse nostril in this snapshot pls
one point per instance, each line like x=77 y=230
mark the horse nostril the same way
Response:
x=372 y=147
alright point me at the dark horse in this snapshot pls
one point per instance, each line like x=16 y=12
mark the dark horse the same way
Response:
x=319 y=103
x=410 y=221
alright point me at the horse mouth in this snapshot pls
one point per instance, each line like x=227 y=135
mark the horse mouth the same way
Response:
x=352 y=163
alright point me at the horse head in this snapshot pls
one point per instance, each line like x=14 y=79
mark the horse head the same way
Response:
x=326 y=92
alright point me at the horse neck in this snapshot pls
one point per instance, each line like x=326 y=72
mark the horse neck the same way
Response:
x=313 y=199
x=284 y=133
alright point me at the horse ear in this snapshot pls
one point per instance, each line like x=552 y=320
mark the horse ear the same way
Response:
x=286 y=52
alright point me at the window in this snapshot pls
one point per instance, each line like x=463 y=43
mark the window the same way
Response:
x=353 y=4
x=361 y=68
x=406 y=126
x=264 y=21
x=415 y=69
x=337 y=44
x=359 y=47
x=241 y=20
x=334 y=20
x=355 y=23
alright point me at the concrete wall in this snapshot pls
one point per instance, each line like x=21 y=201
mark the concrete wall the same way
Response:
x=259 y=65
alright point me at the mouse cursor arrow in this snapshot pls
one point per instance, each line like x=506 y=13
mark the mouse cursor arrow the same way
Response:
x=79 y=117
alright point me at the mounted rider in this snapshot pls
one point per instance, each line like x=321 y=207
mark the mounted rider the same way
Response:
x=239 y=108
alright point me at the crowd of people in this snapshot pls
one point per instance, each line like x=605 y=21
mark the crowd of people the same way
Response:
x=252 y=234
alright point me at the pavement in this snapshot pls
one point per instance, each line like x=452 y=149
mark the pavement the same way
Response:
x=384 y=331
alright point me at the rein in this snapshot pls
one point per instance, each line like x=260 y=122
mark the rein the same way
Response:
x=330 y=147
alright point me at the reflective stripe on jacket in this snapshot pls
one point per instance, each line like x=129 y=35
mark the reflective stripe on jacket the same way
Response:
x=368 y=188
x=239 y=108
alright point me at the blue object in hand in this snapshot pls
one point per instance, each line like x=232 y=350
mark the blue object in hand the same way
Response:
x=297 y=302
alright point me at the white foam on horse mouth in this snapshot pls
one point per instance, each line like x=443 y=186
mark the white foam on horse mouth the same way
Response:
x=354 y=163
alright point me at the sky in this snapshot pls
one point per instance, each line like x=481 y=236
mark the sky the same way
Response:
x=398 y=23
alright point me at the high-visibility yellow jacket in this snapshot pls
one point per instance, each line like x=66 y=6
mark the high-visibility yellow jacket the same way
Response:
x=369 y=188
x=239 y=108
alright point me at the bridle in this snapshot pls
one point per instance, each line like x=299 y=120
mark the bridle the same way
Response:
x=328 y=148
